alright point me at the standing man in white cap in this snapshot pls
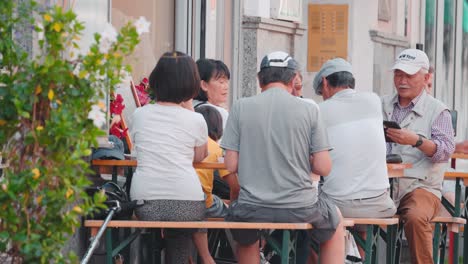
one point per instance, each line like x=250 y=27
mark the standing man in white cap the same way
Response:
x=358 y=181
x=425 y=140
x=273 y=141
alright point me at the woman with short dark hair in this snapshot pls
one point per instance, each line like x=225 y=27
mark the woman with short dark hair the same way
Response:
x=214 y=85
x=168 y=138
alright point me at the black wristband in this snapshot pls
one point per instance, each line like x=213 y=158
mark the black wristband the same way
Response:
x=419 y=142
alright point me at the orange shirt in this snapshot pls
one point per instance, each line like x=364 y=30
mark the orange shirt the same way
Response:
x=206 y=175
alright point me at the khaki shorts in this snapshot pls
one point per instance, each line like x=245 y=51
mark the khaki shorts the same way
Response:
x=380 y=206
x=322 y=215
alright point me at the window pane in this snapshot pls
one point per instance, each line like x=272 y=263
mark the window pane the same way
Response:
x=462 y=97
x=430 y=29
x=445 y=89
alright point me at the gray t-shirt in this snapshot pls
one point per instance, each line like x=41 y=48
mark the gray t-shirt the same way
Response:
x=275 y=133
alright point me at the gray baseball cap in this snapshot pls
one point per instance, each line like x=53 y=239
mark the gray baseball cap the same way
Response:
x=328 y=68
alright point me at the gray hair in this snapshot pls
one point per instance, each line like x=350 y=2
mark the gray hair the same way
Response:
x=275 y=74
x=338 y=79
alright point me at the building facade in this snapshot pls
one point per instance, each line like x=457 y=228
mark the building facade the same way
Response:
x=368 y=33
x=374 y=33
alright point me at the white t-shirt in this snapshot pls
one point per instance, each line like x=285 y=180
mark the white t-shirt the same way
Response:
x=354 y=126
x=164 y=139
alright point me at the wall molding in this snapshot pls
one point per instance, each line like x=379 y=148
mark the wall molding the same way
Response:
x=389 y=39
x=261 y=23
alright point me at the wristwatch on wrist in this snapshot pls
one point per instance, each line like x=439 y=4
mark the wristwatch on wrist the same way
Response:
x=419 y=142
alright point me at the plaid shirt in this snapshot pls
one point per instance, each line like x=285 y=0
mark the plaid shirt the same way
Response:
x=441 y=131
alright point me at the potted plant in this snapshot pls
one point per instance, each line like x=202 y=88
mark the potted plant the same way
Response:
x=50 y=110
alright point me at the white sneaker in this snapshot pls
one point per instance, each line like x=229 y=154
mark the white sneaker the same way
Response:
x=263 y=260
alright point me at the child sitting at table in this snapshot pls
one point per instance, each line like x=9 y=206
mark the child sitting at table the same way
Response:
x=215 y=207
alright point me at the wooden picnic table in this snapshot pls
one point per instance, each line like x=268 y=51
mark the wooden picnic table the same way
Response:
x=397 y=170
x=116 y=164
x=394 y=170
x=460 y=156
x=133 y=163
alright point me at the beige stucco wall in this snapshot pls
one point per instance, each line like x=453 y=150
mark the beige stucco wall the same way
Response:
x=160 y=38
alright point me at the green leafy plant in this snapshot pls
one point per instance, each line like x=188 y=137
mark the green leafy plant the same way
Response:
x=46 y=102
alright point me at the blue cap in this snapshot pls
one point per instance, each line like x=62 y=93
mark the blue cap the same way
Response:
x=328 y=68
x=117 y=152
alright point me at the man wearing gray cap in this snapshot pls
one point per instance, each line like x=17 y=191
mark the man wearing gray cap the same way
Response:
x=425 y=140
x=358 y=182
x=273 y=140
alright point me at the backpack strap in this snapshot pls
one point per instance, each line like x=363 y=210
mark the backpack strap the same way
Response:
x=201 y=103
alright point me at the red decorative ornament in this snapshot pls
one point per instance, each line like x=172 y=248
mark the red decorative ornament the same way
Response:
x=116 y=108
x=142 y=92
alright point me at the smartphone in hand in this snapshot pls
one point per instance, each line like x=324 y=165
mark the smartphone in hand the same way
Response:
x=389 y=124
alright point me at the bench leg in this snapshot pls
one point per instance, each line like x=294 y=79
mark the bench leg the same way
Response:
x=436 y=242
x=151 y=245
x=398 y=243
x=375 y=237
x=285 y=247
x=109 y=246
x=443 y=243
x=126 y=242
x=288 y=246
x=465 y=231
x=114 y=174
x=455 y=237
x=369 y=244
x=391 y=243
x=465 y=243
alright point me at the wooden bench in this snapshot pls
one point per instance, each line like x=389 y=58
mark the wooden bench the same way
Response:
x=443 y=225
x=287 y=251
x=387 y=228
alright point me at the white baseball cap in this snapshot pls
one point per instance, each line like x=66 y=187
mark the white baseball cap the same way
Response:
x=411 y=61
x=279 y=59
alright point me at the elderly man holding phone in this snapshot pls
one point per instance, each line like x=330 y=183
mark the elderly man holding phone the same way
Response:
x=425 y=140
